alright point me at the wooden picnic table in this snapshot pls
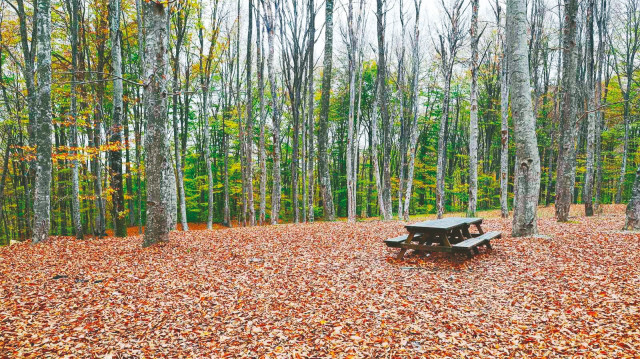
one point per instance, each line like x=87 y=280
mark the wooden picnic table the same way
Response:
x=443 y=235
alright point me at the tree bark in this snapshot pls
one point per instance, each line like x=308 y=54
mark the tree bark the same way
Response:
x=156 y=110
x=115 y=155
x=248 y=131
x=323 y=123
x=310 y=109
x=591 y=114
x=565 y=177
x=527 y=169
x=384 y=112
x=473 y=117
x=42 y=198
x=277 y=187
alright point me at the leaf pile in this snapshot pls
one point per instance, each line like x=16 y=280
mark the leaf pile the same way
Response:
x=326 y=290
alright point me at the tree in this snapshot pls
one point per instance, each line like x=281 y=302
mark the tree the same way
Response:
x=42 y=195
x=473 y=120
x=568 y=124
x=413 y=132
x=115 y=155
x=450 y=43
x=310 y=117
x=504 y=121
x=527 y=169
x=633 y=208
x=156 y=110
x=323 y=121
x=387 y=211
x=248 y=131
x=591 y=113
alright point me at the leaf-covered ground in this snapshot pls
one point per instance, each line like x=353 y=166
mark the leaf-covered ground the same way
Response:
x=326 y=290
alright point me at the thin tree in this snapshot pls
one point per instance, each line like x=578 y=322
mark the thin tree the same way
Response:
x=383 y=103
x=115 y=138
x=632 y=221
x=449 y=46
x=323 y=121
x=43 y=128
x=248 y=130
x=591 y=113
x=310 y=116
x=473 y=117
x=527 y=169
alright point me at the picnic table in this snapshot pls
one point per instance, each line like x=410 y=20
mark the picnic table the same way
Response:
x=443 y=235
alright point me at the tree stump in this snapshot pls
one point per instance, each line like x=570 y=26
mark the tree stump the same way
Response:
x=633 y=208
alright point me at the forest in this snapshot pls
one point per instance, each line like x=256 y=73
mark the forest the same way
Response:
x=274 y=112
x=319 y=179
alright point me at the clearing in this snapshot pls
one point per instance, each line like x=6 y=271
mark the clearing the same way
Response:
x=326 y=290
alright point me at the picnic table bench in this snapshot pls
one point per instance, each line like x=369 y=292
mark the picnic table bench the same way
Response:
x=443 y=235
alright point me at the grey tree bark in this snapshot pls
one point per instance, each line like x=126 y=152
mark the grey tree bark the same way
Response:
x=565 y=177
x=73 y=7
x=158 y=167
x=387 y=210
x=277 y=186
x=42 y=131
x=527 y=169
x=473 y=117
x=504 y=132
x=413 y=132
x=591 y=113
x=262 y=155
x=632 y=221
x=248 y=130
x=115 y=155
x=310 y=109
x=323 y=123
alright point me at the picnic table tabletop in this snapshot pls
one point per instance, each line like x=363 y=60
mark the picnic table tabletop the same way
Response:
x=443 y=224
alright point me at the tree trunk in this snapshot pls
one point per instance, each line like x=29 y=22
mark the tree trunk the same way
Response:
x=323 y=124
x=277 y=187
x=527 y=169
x=565 y=177
x=504 y=135
x=632 y=221
x=156 y=110
x=473 y=119
x=262 y=155
x=591 y=114
x=74 y=12
x=248 y=131
x=42 y=198
x=387 y=214
x=414 y=132
x=310 y=109
x=115 y=155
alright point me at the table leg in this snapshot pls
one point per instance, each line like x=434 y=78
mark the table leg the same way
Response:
x=465 y=232
x=445 y=240
x=404 y=250
x=479 y=228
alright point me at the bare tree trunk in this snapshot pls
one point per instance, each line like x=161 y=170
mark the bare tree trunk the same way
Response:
x=632 y=221
x=42 y=201
x=374 y=148
x=74 y=12
x=248 y=132
x=310 y=116
x=387 y=211
x=569 y=123
x=473 y=117
x=277 y=187
x=504 y=136
x=323 y=124
x=603 y=18
x=591 y=114
x=352 y=140
x=156 y=110
x=262 y=155
x=527 y=169
x=115 y=155
x=414 y=132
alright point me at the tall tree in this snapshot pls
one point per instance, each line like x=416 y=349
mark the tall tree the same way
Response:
x=569 y=125
x=591 y=113
x=115 y=138
x=323 y=121
x=43 y=128
x=383 y=103
x=73 y=8
x=413 y=131
x=504 y=120
x=310 y=115
x=262 y=155
x=156 y=110
x=450 y=43
x=527 y=169
x=248 y=130
x=473 y=117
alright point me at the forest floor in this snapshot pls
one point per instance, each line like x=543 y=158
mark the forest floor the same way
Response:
x=326 y=290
